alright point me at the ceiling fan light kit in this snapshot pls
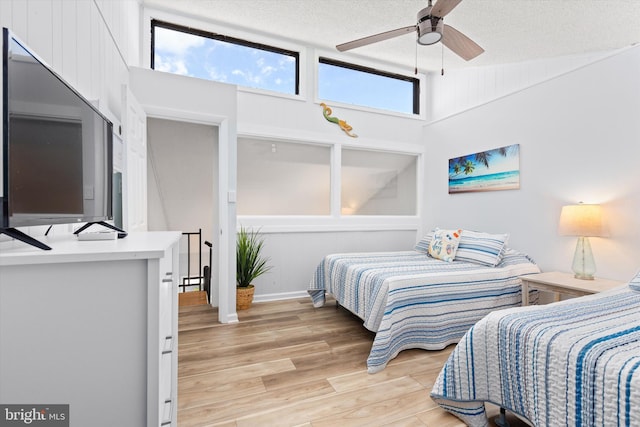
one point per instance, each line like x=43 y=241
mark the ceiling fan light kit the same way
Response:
x=428 y=33
x=430 y=29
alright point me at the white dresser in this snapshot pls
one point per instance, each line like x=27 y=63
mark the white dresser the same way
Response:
x=92 y=324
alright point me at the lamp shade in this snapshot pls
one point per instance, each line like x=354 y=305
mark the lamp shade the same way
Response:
x=581 y=220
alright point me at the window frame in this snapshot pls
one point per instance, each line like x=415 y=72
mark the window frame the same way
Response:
x=336 y=221
x=415 y=81
x=227 y=39
x=293 y=141
x=416 y=157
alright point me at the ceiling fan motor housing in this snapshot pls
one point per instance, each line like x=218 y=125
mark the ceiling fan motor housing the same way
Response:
x=429 y=27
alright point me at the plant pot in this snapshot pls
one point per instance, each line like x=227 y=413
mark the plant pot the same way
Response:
x=244 y=297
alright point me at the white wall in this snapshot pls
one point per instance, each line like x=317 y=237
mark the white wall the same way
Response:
x=182 y=168
x=296 y=245
x=463 y=88
x=88 y=43
x=182 y=177
x=579 y=140
x=211 y=104
x=299 y=118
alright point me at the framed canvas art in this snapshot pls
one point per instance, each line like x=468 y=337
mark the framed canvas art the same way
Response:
x=496 y=169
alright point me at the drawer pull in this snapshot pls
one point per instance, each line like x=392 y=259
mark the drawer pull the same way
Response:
x=169 y=273
x=167 y=280
x=166 y=350
x=168 y=421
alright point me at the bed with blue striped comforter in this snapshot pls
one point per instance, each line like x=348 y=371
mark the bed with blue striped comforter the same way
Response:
x=411 y=300
x=572 y=363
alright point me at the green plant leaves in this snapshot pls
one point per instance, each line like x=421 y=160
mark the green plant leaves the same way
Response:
x=249 y=260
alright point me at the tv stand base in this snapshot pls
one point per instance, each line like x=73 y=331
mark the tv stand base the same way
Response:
x=19 y=235
x=121 y=233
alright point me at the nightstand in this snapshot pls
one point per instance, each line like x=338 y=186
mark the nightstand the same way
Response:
x=564 y=283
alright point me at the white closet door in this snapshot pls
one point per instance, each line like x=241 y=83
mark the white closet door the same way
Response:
x=134 y=120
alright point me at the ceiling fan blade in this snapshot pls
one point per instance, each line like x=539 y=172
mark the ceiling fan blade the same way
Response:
x=443 y=7
x=460 y=44
x=375 y=38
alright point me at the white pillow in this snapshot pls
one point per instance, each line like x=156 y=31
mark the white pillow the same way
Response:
x=444 y=244
x=423 y=244
x=481 y=248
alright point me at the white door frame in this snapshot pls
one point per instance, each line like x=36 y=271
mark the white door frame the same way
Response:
x=226 y=238
x=134 y=194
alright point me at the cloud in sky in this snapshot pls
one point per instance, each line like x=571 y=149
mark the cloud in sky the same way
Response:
x=215 y=74
x=171 y=65
x=249 y=77
x=177 y=43
x=196 y=56
x=265 y=69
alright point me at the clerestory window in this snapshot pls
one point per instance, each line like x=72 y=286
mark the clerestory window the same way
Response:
x=368 y=87
x=197 y=53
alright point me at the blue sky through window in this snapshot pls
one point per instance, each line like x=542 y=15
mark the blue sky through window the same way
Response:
x=183 y=52
x=196 y=56
x=342 y=84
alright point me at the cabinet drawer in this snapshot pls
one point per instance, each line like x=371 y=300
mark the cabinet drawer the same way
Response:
x=167 y=289
x=167 y=400
x=167 y=412
x=166 y=307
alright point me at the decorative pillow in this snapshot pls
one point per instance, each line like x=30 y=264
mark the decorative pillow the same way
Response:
x=635 y=282
x=423 y=244
x=481 y=248
x=444 y=244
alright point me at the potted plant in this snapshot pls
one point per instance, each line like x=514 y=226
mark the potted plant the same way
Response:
x=250 y=264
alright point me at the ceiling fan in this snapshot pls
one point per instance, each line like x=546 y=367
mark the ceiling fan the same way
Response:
x=430 y=29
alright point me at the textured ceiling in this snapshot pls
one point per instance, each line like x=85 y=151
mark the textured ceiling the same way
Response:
x=508 y=30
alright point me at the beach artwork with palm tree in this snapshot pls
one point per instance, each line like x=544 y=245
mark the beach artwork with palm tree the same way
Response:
x=497 y=169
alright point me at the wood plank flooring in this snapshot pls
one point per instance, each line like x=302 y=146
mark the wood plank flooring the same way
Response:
x=289 y=364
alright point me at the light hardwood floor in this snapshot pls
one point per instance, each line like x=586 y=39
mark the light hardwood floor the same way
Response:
x=192 y=298
x=289 y=364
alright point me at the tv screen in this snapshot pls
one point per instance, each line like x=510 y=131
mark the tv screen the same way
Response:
x=57 y=147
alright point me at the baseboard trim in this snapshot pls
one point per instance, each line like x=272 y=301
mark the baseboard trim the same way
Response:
x=280 y=296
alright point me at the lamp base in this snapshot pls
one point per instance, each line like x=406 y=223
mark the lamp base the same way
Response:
x=584 y=266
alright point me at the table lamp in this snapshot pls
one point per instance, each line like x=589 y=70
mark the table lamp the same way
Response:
x=584 y=221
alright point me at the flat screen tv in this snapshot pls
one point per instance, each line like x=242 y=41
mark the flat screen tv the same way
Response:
x=57 y=148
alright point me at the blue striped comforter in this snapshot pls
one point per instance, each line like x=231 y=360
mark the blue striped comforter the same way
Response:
x=413 y=301
x=573 y=363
